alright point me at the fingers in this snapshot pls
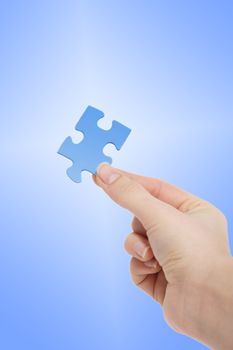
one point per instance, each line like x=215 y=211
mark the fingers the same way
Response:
x=139 y=270
x=164 y=191
x=138 y=227
x=149 y=280
x=139 y=247
x=131 y=195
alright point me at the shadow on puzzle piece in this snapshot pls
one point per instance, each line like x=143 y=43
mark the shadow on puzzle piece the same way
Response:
x=88 y=154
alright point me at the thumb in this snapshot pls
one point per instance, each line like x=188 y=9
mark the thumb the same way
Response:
x=133 y=196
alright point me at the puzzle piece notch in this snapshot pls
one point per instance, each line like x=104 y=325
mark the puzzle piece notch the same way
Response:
x=88 y=154
x=72 y=151
x=88 y=124
x=89 y=119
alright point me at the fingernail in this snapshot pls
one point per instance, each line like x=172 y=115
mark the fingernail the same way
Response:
x=141 y=248
x=152 y=263
x=107 y=174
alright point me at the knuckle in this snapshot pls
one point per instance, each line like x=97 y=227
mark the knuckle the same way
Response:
x=126 y=243
x=134 y=222
x=132 y=267
x=136 y=277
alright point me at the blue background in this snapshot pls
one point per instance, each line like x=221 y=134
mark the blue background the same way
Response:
x=163 y=68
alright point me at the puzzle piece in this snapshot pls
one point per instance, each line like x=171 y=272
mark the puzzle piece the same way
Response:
x=88 y=154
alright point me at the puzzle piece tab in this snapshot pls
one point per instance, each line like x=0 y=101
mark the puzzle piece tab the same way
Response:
x=88 y=154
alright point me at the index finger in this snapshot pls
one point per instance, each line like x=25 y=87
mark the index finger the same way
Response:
x=164 y=191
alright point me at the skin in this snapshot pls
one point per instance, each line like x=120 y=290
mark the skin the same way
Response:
x=180 y=254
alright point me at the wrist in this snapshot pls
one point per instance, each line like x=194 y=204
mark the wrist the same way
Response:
x=209 y=307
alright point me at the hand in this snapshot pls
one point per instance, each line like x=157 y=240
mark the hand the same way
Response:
x=180 y=254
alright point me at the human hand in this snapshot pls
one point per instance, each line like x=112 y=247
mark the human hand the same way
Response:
x=181 y=254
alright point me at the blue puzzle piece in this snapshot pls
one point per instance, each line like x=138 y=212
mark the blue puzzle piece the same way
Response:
x=88 y=154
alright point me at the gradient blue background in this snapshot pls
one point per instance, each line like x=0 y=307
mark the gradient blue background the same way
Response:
x=165 y=69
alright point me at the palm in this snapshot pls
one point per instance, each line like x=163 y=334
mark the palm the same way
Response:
x=161 y=285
